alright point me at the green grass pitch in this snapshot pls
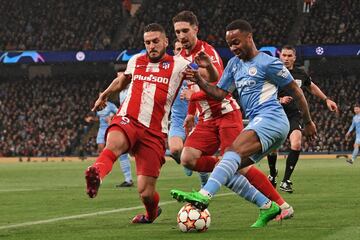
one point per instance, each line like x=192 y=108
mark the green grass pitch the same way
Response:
x=48 y=201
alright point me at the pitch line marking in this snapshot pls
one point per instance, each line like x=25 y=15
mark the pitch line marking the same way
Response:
x=25 y=224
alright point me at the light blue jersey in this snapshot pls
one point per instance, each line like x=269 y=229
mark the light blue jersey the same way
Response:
x=123 y=95
x=110 y=109
x=179 y=111
x=257 y=82
x=356 y=125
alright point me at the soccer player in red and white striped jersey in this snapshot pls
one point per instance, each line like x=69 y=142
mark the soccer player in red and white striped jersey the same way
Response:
x=140 y=126
x=219 y=121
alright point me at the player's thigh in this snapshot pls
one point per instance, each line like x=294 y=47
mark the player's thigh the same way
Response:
x=271 y=129
x=246 y=144
x=205 y=138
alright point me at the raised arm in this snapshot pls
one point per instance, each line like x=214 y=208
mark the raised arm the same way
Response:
x=207 y=69
x=118 y=84
x=212 y=90
x=316 y=91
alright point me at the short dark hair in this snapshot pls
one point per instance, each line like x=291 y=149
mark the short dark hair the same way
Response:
x=240 y=24
x=154 y=27
x=289 y=47
x=357 y=105
x=186 y=16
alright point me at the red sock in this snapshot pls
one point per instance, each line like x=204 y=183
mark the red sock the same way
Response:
x=151 y=207
x=205 y=164
x=105 y=162
x=259 y=180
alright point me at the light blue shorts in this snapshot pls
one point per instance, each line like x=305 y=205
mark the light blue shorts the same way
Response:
x=100 y=139
x=272 y=130
x=357 y=140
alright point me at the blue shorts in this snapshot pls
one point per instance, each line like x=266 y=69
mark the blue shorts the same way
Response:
x=357 y=140
x=177 y=129
x=100 y=139
x=272 y=130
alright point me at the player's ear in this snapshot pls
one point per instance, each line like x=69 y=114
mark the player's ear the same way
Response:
x=196 y=28
x=166 y=42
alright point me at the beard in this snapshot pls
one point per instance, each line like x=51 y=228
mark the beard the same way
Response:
x=157 y=58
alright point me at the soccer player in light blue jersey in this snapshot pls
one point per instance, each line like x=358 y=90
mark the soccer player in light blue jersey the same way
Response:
x=355 y=125
x=257 y=77
x=177 y=133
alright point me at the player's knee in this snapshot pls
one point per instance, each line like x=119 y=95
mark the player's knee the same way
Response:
x=147 y=194
x=296 y=145
x=114 y=147
x=188 y=160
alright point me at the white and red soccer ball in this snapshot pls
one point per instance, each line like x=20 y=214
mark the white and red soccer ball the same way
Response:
x=191 y=219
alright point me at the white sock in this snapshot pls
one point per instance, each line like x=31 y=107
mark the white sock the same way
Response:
x=266 y=205
x=205 y=193
x=284 y=205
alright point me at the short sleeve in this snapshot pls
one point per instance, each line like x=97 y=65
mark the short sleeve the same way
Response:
x=307 y=80
x=131 y=65
x=277 y=73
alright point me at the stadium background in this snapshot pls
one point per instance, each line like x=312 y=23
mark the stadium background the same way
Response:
x=57 y=55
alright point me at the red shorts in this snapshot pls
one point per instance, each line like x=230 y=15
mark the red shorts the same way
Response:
x=147 y=145
x=208 y=136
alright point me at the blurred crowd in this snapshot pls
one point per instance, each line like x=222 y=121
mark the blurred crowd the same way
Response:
x=332 y=22
x=92 y=25
x=270 y=27
x=58 y=24
x=45 y=116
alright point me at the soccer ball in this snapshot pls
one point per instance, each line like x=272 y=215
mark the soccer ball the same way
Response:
x=191 y=219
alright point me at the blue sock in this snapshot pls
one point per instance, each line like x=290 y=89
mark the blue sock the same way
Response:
x=355 y=153
x=242 y=187
x=223 y=172
x=125 y=166
x=203 y=178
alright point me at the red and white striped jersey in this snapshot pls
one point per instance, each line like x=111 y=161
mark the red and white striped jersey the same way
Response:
x=153 y=89
x=208 y=107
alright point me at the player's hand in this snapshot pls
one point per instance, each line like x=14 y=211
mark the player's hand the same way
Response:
x=332 y=106
x=100 y=103
x=189 y=124
x=285 y=100
x=347 y=136
x=191 y=75
x=88 y=119
x=310 y=131
x=202 y=59
x=186 y=94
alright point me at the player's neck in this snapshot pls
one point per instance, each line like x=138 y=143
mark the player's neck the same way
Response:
x=254 y=52
x=189 y=50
